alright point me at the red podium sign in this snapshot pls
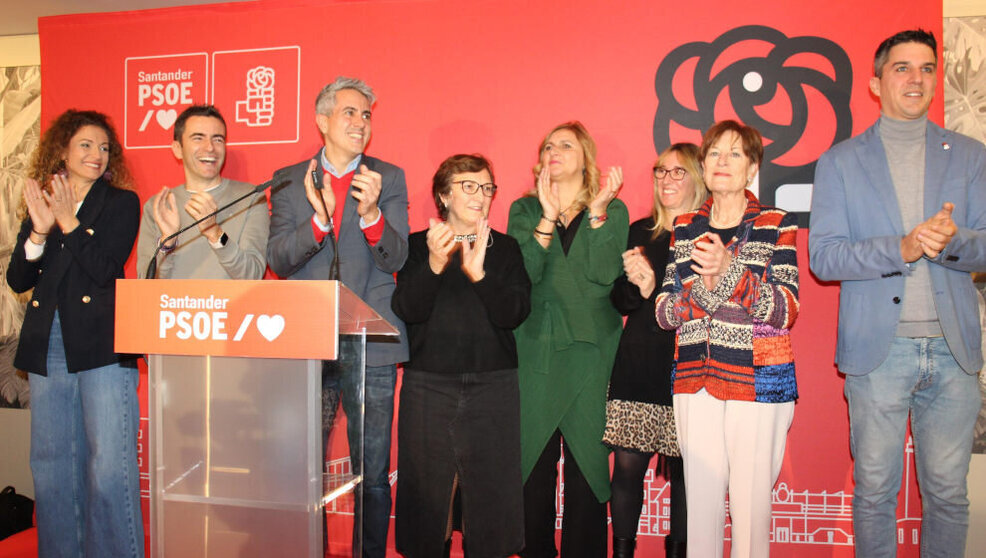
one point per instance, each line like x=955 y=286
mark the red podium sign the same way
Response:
x=270 y=319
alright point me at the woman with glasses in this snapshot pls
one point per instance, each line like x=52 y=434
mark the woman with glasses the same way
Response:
x=731 y=292
x=571 y=231
x=639 y=416
x=461 y=293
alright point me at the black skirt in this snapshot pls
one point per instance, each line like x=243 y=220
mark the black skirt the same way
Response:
x=464 y=429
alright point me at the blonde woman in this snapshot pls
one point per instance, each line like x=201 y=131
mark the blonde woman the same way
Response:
x=571 y=234
x=639 y=415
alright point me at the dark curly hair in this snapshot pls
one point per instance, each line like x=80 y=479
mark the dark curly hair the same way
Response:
x=48 y=157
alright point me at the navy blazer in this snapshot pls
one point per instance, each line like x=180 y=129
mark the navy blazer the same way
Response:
x=855 y=235
x=77 y=275
x=366 y=270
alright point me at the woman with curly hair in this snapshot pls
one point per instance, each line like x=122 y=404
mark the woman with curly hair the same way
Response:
x=81 y=219
x=571 y=232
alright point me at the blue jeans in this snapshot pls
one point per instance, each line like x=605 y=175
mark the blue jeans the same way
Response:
x=920 y=378
x=84 y=458
x=372 y=517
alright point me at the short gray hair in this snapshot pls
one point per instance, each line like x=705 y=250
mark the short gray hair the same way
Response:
x=325 y=103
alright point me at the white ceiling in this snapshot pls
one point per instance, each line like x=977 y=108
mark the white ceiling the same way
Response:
x=20 y=17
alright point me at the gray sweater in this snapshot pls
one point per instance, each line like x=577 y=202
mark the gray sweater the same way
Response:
x=904 y=143
x=243 y=256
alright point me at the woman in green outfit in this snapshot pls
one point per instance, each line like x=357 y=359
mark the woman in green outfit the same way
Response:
x=572 y=232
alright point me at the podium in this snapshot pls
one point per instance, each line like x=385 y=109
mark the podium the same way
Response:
x=235 y=390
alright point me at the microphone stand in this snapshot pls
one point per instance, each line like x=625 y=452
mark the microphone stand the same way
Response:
x=334 y=264
x=152 y=265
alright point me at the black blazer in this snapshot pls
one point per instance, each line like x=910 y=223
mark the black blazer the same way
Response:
x=77 y=275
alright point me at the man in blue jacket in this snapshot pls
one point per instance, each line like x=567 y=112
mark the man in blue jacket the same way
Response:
x=899 y=217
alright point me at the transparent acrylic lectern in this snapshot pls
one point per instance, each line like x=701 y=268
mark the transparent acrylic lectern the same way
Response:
x=237 y=464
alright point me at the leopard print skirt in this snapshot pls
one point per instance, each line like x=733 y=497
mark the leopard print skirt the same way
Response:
x=644 y=427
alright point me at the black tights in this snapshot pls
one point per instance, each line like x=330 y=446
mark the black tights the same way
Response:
x=629 y=468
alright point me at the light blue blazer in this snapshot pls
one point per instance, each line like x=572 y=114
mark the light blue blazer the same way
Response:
x=855 y=236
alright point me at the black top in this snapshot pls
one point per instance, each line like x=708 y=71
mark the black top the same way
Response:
x=644 y=360
x=567 y=234
x=726 y=235
x=456 y=326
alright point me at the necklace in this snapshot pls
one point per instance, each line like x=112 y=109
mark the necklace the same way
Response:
x=563 y=218
x=471 y=238
x=718 y=223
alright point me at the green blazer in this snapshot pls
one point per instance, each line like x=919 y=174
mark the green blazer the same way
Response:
x=567 y=344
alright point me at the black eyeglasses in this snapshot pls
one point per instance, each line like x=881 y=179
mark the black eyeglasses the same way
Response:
x=470 y=187
x=677 y=173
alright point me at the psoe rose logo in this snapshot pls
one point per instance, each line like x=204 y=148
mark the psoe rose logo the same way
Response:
x=260 y=88
x=158 y=88
x=794 y=90
x=257 y=109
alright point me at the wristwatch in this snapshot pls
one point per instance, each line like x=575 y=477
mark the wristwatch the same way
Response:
x=221 y=242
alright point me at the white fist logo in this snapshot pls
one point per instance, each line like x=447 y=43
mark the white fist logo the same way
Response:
x=258 y=107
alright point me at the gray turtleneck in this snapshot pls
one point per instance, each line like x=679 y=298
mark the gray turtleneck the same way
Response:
x=904 y=143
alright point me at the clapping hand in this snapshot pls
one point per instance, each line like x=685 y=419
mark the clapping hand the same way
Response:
x=42 y=219
x=317 y=197
x=441 y=244
x=639 y=271
x=938 y=231
x=61 y=201
x=711 y=259
x=200 y=205
x=366 y=190
x=548 y=195
x=607 y=192
x=474 y=256
x=164 y=211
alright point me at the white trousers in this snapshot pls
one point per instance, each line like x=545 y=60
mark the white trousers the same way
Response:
x=734 y=445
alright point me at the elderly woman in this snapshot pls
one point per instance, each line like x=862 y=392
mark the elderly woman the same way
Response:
x=731 y=291
x=639 y=416
x=80 y=226
x=462 y=292
x=571 y=233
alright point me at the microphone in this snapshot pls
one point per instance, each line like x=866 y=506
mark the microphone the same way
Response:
x=275 y=181
x=334 y=264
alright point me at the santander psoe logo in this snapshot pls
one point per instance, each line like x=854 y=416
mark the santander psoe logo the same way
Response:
x=257 y=90
x=205 y=325
x=158 y=88
x=207 y=318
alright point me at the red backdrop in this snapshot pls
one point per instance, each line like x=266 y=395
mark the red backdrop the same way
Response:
x=492 y=77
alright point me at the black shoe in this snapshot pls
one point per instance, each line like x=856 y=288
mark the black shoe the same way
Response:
x=623 y=548
x=673 y=548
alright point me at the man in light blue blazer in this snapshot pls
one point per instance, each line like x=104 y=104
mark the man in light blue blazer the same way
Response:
x=343 y=215
x=899 y=217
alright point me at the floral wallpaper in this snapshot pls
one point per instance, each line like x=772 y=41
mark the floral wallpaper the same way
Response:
x=20 y=129
x=965 y=76
x=965 y=112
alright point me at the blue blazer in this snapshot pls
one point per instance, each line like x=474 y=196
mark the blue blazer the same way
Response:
x=367 y=270
x=855 y=236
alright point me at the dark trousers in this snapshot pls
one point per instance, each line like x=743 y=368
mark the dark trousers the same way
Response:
x=584 y=517
x=370 y=449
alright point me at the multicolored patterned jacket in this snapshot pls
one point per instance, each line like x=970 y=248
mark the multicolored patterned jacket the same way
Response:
x=734 y=340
